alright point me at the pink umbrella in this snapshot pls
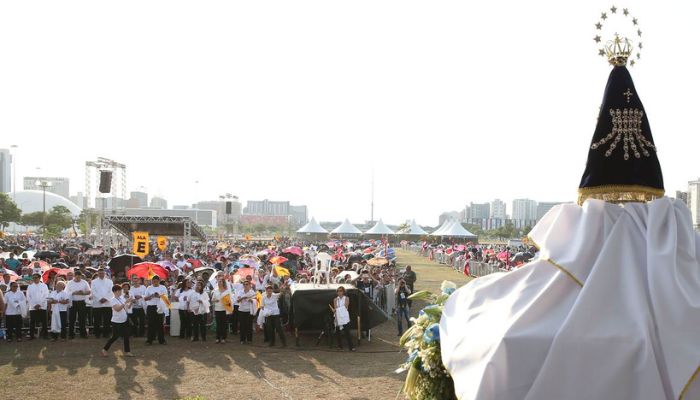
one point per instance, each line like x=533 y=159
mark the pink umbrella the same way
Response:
x=502 y=255
x=243 y=272
x=168 y=265
x=461 y=247
x=294 y=250
x=249 y=262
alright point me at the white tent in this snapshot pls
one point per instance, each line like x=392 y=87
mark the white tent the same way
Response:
x=445 y=225
x=414 y=229
x=346 y=228
x=312 y=227
x=379 y=229
x=457 y=230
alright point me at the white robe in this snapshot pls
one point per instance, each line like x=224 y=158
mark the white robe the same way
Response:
x=610 y=309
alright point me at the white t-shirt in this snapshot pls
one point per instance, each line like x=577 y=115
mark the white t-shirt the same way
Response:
x=101 y=289
x=37 y=294
x=137 y=291
x=120 y=316
x=74 y=286
x=59 y=296
x=248 y=304
x=13 y=301
x=158 y=291
x=271 y=303
x=216 y=297
x=194 y=303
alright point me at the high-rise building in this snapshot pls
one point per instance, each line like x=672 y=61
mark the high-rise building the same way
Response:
x=479 y=211
x=159 y=203
x=59 y=186
x=694 y=202
x=524 y=209
x=299 y=215
x=448 y=216
x=266 y=207
x=220 y=207
x=5 y=171
x=682 y=196
x=544 y=206
x=137 y=199
x=498 y=209
x=79 y=200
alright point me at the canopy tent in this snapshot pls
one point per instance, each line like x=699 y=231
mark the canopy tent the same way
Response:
x=312 y=227
x=379 y=229
x=455 y=229
x=445 y=225
x=346 y=228
x=414 y=229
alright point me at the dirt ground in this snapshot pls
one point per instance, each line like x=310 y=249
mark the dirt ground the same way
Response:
x=74 y=369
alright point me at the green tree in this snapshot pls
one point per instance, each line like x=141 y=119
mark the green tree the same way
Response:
x=473 y=228
x=86 y=215
x=33 y=219
x=59 y=216
x=9 y=212
x=525 y=231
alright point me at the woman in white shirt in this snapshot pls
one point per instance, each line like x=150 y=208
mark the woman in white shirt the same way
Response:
x=60 y=300
x=198 y=303
x=220 y=313
x=271 y=310
x=246 y=309
x=182 y=296
x=342 y=317
x=120 y=326
x=14 y=301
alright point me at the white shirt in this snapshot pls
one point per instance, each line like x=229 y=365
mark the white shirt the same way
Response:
x=271 y=303
x=246 y=305
x=13 y=301
x=194 y=304
x=216 y=297
x=159 y=291
x=59 y=296
x=235 y=288
x=74 y=286
x=130 y=308
x=101 y=289
x=117 y=316
x=185 y=298
x=37 y=294
x=137 y=291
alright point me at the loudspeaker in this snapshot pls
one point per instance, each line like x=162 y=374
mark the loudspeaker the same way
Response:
x=228 y=208
x=105 y=181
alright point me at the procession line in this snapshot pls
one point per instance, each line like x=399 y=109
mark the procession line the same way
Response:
x=564 y=270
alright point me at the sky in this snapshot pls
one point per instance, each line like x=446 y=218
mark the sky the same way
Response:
x=447 y=102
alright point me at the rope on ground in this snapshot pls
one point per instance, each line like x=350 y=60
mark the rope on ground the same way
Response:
x=274 y=387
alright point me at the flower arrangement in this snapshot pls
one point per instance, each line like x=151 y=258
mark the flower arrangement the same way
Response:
x=427 y=377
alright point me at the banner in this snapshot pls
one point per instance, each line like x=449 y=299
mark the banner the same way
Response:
x=162 y=243
x=141 y=247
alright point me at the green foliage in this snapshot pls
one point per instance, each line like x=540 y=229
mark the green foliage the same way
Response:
x=9 y=212
x=33 y=219
x=59 y=216
x=83 y=219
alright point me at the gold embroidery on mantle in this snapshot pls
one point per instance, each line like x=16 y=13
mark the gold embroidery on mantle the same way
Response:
x=627 y=126
x=619 y=193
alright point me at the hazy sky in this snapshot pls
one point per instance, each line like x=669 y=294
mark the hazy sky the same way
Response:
x=448 y=101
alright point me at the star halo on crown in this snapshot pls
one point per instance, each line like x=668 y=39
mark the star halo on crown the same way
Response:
x=618 y=48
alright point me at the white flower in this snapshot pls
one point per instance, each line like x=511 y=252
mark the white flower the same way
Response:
x=448 y=284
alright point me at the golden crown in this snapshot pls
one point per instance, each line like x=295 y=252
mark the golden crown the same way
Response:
x=619 y=50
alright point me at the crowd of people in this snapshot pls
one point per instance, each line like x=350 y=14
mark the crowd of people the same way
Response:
x=51 y=291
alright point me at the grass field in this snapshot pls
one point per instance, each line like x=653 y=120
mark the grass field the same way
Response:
x=75 y=370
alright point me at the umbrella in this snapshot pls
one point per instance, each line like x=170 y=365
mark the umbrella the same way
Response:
x=94 y=252
x=249 y=257
x=54 y=271
x=168 y=265
x=147 y=270
x=196 y=263
x=60 y=265
x=281 y=271
x=369 y=250
x=503 y=256
x=278 y=260
x=199 y=272
x=249 y=263
x=294 y=250
x=13 y=275
x=43 y=264
x=243 y=272
x=262 y=253
x=71 y=250
x=378 y=261
x=120 y=262
x=222 y=246
x=46 y=254
x=352 y=275
x=85 y=245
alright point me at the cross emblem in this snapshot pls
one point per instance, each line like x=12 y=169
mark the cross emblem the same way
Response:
x=628 y=94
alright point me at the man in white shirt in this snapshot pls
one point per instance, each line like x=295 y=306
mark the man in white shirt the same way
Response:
x=155 y=319
x=101 y=305
x=37 y=293
x=79 y=291
x=138 y=313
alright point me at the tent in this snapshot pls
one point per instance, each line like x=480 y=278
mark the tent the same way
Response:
x=312 y=227
x=455 y=229
x=445 y=226
x=379 y=229
x=414 y=229
x=346 y=228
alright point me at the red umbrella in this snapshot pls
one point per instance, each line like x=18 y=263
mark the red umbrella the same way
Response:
x=147 y=270
x=279 y=260
x=369 y=250
x=195 y=262
x=54 y=271
x=243 y=272
x=294 y=250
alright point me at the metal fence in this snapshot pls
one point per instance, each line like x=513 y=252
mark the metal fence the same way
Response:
x=457 y=262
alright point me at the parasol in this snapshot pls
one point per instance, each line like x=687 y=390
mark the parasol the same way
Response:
x=378 y=261
x=294 y=250
x=54 y=271
x=147 y=270
x=281 y=271
x=243 y=272
x=278 y=260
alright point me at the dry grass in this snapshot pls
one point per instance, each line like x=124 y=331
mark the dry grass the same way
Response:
x=43 y=370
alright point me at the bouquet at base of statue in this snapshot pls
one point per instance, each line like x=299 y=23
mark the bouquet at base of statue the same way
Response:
x=427 y=377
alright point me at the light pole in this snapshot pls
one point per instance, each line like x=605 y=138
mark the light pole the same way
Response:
x=14 y=172
x=43 y=184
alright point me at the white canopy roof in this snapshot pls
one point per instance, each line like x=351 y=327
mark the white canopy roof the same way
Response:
x=445 y=225
x=347 y=228
x=456 y=230
x=379 y=229
x=312 y=227
x=414 y=229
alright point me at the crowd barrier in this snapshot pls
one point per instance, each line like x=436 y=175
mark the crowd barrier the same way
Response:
x=457 y=262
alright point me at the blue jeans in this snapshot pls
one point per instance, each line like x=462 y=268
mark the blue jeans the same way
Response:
x=402 y=311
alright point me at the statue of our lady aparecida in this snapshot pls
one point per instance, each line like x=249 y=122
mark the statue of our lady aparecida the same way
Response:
x=610 y=307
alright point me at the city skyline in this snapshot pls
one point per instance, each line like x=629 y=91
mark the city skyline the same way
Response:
x=243 y=101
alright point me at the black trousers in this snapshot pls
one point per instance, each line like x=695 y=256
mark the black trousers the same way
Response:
x=64 y=319
x=199 y=326
x=38 y=317
x=155 y=325
x=246 y=326
x=273 y=324
x=138 y=322
x=102 y=318
x=14 y=326
x=221 y=325
x=345 y=331
x=119 y=329
x=79 y=311
x=185 y=324
x=233 y=320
